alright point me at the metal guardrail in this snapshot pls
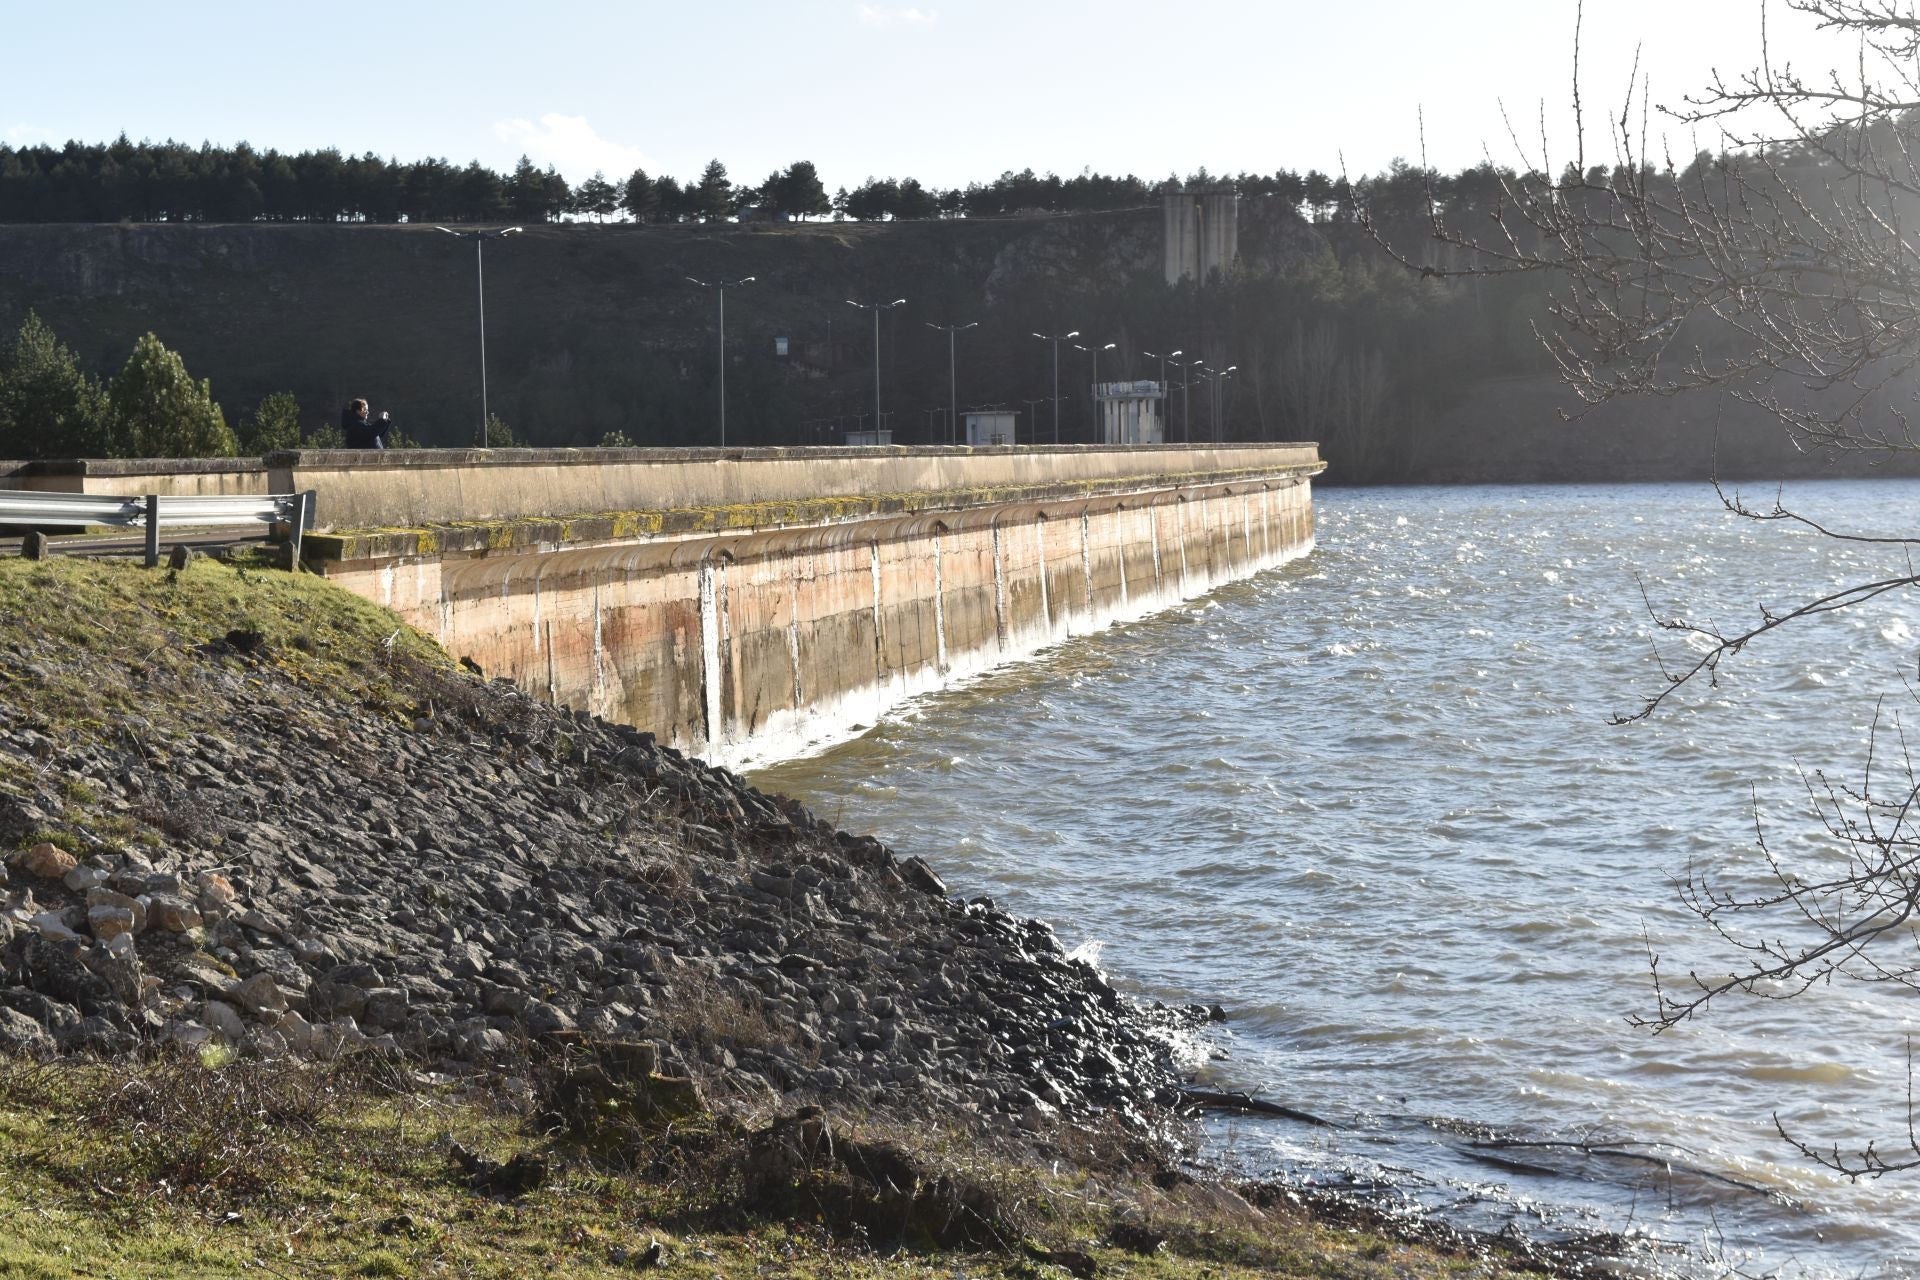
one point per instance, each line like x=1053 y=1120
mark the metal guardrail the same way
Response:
x=155 y=512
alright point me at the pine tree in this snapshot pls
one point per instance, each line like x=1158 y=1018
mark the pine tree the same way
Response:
x=49 y=406
x=641 y=199
x=597 y=197
x=713 y=198
x=159 y=411
x=275 y=424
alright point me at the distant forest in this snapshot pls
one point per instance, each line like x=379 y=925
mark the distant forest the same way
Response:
x=174 y=182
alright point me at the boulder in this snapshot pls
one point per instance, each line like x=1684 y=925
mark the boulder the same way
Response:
x=260 y=994
x=81 y=879
x=53 y=927
x=215 y=890
x=105 y=897
x=225 y=1020
x=21 y=1034
x=173 y=913
x=107 y=922
x=48 y=861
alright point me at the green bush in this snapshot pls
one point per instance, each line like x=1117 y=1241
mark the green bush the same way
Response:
x=275 y=424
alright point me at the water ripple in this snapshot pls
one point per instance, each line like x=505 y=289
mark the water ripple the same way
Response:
x=1372 y=803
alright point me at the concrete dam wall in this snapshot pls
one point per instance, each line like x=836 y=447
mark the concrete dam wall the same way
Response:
x=748 y=631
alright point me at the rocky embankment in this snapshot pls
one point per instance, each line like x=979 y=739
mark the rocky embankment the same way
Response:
x=290 y=836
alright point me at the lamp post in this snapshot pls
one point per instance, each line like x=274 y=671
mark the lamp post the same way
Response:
x=720 y=287
x=1033 y=415
x=1093 y=398
x=1165 y=396
x=1056 y=339
x=479 y=239
x=1214 y=378
x=1186 y=396
x=953 y=382
x=876 y=308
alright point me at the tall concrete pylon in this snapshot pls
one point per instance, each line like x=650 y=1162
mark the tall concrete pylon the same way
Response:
x=1200 y=231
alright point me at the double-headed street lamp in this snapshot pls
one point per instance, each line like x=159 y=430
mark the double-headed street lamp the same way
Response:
x=1186 y=394
x=953 y=381
x=1214 y=378
x=876 y=308
x=1165 y=398
x=1093 y=400
x=1056 y=339
x=720 y=287
x=480 y=238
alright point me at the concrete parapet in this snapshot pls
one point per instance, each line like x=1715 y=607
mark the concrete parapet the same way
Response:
x=414 y=488
x=134 y=477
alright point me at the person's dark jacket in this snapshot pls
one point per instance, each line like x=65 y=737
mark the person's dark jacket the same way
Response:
x=359 y=430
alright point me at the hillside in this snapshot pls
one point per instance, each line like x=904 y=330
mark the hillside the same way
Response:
x=594 y=329
x=589 y=328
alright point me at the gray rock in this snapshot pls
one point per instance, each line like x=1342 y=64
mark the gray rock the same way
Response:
x=543 y=1019
x=224 y=1019
x=919 y=875
x=260 y=994
x=386 y=1008
x=173 y=913
x=20 y=1034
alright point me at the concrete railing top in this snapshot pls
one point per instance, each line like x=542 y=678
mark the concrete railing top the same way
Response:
x=119 y=467
x=372 y=489
x=418 y=459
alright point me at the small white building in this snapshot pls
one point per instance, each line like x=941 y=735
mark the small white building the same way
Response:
x=990 y=426
x=870 y=437
x=1130 y=412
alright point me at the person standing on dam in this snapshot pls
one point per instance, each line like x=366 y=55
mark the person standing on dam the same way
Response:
x=360 y=430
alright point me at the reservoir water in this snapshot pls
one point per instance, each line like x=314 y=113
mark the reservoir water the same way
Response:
x=1372 y=803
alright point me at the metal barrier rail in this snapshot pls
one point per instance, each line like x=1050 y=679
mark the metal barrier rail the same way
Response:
x=155 y=512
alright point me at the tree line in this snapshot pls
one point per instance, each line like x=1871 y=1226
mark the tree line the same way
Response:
x=51 y=407
x=175 y=182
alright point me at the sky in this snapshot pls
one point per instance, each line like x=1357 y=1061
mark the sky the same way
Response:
x=947 y=91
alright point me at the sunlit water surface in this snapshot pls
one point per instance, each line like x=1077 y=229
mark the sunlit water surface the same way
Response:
x=1372 y=803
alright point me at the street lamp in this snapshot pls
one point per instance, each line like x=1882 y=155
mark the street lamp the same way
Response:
x=1186 y=395
x=1056 y=339
x=479 y=239
x=1214 y=378
x=1164 y=389
x=953 y=382
x=876 y=308
x=720 y=287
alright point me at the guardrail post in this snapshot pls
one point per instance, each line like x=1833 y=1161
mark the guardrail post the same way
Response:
x=302 y=521
x=153 y=530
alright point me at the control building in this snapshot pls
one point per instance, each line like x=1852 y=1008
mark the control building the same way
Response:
x=1130 y=412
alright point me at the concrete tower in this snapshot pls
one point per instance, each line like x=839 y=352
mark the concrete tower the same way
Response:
x=1200 y=231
